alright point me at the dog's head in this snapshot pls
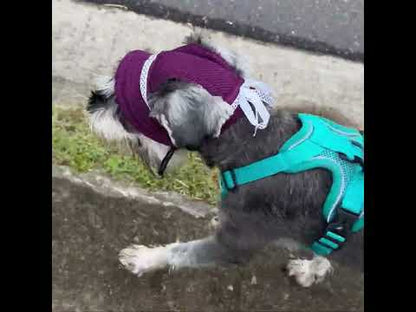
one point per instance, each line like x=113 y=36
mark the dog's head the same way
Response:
x=179 y=114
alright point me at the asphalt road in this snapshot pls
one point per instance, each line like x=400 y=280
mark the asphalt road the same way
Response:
x=333 y=27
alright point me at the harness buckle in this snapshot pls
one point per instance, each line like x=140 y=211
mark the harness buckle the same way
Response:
x=356 y=159
x=336 y=232
x=233 y=178
x=343 y=222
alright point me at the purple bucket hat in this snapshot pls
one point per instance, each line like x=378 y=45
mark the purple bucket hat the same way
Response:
x=190 y=63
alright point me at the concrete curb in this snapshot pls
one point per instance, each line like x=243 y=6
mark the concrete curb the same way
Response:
x=109 y=188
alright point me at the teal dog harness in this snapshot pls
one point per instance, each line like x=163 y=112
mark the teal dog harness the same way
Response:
x=320 y=143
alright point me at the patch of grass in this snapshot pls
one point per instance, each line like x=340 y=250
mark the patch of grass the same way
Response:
x=75 y=146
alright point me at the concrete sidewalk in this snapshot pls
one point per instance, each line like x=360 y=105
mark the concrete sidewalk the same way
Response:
x=93 y=218
x=333 y=27
x=88 y=40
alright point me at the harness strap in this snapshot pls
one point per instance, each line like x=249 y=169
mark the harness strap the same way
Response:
x=354 y=195
x=259 y=170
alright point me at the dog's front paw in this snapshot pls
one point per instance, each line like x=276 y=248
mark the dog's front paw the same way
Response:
x=140 y=259
x=308 y=272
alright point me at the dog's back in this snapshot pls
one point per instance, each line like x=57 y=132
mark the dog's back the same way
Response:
x=279 y=206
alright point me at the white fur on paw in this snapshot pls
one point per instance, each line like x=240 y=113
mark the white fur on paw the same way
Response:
x=308 y=272
x=140 y=259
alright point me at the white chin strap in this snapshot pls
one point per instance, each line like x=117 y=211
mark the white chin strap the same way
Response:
x=253 y=98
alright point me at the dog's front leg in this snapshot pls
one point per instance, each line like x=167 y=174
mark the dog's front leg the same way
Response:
x=199 y=253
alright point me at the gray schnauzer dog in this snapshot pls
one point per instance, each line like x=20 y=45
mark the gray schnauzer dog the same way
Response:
x=283 y=207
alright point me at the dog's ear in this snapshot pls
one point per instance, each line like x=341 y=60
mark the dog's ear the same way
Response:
x=105 y=121
x=188 y=113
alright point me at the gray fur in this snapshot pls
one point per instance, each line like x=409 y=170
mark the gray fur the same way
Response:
x=203 y=253
x=188 y=112
x=106 y=121
x=285 y=206
x=279 y=209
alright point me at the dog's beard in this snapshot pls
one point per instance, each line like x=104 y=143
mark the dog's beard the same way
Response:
x=105 y=122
